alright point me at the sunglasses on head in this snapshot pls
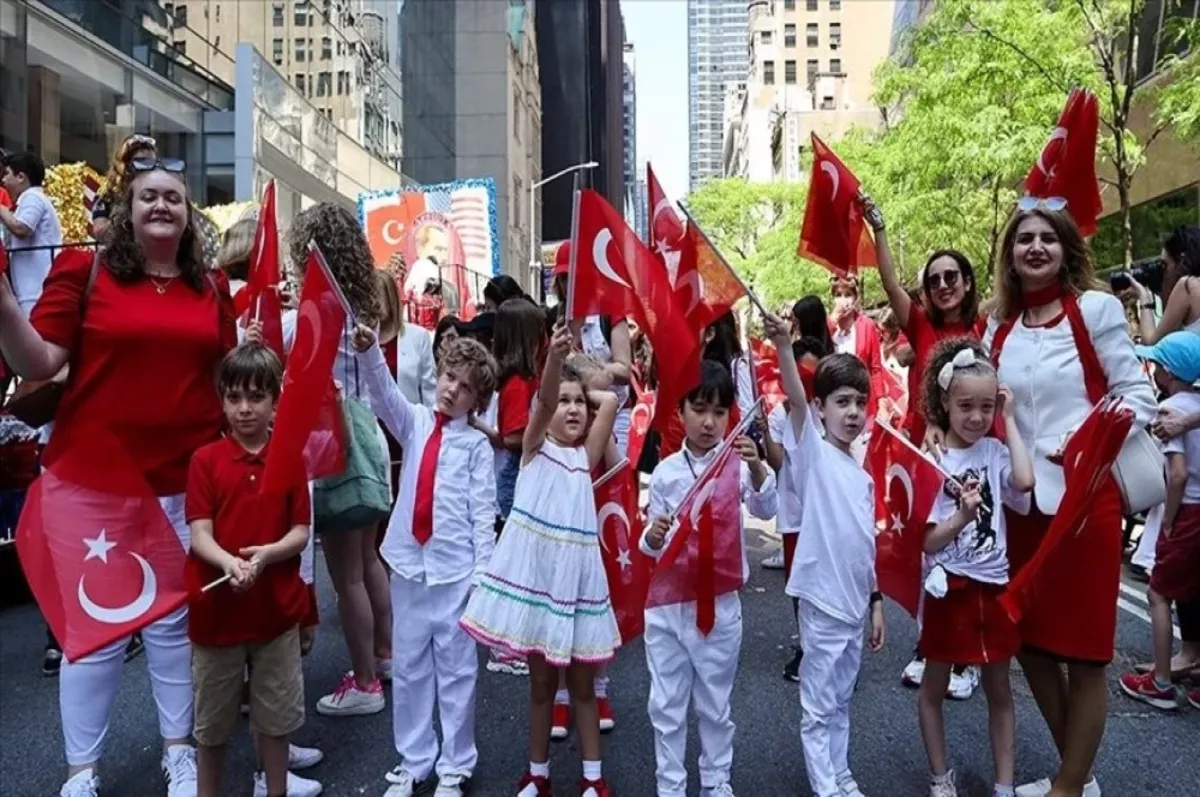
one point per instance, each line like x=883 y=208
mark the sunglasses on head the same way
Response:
x=172 y=165
x=947 y=278
x=1051 y=203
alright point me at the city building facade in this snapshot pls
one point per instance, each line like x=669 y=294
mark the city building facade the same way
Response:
x=717 y=60
x=428 y=68
x=629 y=127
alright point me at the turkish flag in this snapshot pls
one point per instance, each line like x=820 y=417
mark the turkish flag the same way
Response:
x=764 y=360
x=703 y=558
x=906 y=486
x=627 y=568
x=261 y=294
x=640 y=419
x=604 y=253
x=665 y=226
x=307 y=420
x=99 y=554
x=705 y=283
x=834 y=233
x=1066 y=167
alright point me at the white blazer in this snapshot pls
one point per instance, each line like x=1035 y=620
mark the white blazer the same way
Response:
x=415 y=372
x=1042 y=368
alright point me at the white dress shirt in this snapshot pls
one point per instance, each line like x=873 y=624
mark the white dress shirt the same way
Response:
x=1042 y=368
x=414 y=365
x=676 y=474
x=464 y=500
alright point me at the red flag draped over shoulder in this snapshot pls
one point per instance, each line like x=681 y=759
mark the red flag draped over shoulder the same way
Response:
x=1066 y=167
x=262 y=281
x=834 y=233
x=627 y=568
x=308 y=429
x=906 y=486
x=99 y=554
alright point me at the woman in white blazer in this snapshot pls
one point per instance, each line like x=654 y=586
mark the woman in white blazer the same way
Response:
x=1058 y=341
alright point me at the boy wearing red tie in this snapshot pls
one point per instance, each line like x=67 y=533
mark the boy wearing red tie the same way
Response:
x=439 y=539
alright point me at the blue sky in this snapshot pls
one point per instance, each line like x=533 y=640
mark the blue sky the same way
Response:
x=658 y=30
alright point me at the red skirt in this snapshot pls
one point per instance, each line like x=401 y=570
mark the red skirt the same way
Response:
x=968 y=626
x=1176 y=574
x=1073 y=614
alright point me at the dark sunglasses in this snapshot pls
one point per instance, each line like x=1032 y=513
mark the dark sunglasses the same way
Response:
x=172 y=165
x=947 y=278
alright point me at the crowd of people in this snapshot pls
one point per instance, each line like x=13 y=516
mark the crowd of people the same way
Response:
x=489 y=434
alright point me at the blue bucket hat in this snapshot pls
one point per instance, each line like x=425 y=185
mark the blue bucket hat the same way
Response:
x=1178 y=353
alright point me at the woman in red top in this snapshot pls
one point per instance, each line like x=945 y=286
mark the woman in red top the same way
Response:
x=143 y=343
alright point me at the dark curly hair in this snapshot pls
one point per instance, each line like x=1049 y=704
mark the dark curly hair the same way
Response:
x=123 y=254
x=933 y=396
x=341 y=238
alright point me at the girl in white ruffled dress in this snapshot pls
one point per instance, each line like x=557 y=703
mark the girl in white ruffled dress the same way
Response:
x=544 y=594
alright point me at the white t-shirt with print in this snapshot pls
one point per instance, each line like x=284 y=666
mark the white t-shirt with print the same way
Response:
x=1187 y=444
x=980 y=552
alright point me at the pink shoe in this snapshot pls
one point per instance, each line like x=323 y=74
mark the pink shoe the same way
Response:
x=350 y=700
x=1142 y=687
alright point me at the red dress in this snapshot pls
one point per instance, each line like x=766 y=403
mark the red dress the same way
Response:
x=924 y=337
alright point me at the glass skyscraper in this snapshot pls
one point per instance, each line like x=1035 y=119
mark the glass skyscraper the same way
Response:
x=717 y=57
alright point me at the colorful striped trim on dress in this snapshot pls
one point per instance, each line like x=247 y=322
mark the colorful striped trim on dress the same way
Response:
x=532 y=518
x=559 y=658
x=563 y=465
x=534 y=599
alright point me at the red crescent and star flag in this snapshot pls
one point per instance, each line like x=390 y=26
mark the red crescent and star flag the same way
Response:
x=262 y=281
x=99 y=553
x=834 y=233
x=619 y=525
x=1066 y=166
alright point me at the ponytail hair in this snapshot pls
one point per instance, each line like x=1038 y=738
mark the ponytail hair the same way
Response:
x=951 y=358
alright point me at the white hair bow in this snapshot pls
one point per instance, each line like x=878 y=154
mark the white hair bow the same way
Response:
x=964 y=359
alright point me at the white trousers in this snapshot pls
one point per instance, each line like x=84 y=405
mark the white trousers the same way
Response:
x=433 y=657
x=1144 y=555
x=88 y=687
x=686 y=666
x=828 y=671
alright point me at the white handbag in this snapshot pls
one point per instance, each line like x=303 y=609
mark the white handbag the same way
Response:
x=1140 y=471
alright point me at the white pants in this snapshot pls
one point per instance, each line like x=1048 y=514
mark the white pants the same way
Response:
x=828 y=671
x=1144 y=555
x=686 y=666
x=433 y=656
x=88 y=687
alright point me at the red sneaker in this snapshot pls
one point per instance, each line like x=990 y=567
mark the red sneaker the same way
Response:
x=593 y=788
x=560 y=722
x=604 y=709
x=1142 y=687
x=541 y=784
x=1193 y=697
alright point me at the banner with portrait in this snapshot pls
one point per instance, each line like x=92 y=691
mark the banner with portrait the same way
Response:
x=444 y=237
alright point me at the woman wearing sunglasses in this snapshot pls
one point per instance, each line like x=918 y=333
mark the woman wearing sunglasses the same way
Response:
x=1059 y=342
x=117 y=179
x=144 y=308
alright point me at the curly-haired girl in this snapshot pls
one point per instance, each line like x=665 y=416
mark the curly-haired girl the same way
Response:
x=965 y=538
x=345 y=247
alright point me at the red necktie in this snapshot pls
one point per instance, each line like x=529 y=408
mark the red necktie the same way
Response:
x=426 y=476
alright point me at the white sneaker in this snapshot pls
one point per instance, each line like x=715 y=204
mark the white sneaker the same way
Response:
x=508 y=666
x=348 y=700
x=451 y=786
x=963 y=685
x=945 y=788
x=303 y=757
x=296 y=786
x=913 y=673
x=774 y=561
x=82 y=784
x=1040 y=788
x=383 y=669
x=724 y=790
x=179 y=769
x=850 y=789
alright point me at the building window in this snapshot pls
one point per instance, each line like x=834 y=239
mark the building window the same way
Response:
x=181 y=19
x=516 y=114
x=789 y=35
x=181 y=47
x=811 y=35
x=277 y=51
x=827 y=103
x=343 y=87
x=341 y=47
x=835 y=35
x=324 y=84
x=812 y=5
x=835 y=5
x=277 y=15
x=301 y=51
x=769 y=73
x=518 y=193
x=300 y=13
x=789 y=72
x=811 y=70
x=301 y=82
x=835 y=66
x=789 y=5
x=766 y=37
x=326 y=48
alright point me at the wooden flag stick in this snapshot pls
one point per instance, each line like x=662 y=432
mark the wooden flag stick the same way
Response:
x=749 y=293
x=215 y=584
x=738 y=431
x=610 y=473
x=922 y=454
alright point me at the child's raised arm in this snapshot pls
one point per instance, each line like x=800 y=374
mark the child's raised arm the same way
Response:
x=387 y=401
x=547 y=403
x=600 y=434
x=1020 y=478
x=777 y=330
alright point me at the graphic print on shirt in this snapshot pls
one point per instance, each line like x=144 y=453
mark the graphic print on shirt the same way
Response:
x=983 y=530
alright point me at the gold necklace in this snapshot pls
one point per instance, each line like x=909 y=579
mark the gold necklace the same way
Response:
x=161 y=287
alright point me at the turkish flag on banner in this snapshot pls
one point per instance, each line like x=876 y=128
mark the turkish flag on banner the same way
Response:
x=1066 y=167
x=604 y=253
x=99 y=553
x=307 y=420
x=262 y=282
x=627 y=568
x=640 y=419
x=834 y=233
x=906 y=486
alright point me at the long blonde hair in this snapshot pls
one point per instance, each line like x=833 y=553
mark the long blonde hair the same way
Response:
x=391 y=319
x=234 y=256
x=1077 y=272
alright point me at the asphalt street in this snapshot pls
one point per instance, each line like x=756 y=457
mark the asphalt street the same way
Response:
x=1145 y=752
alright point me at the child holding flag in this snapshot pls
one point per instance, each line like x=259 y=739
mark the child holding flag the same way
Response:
x=688 y=658
x=963 y=620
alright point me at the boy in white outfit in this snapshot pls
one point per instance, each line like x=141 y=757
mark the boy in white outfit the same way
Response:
x=439 y=539
x=833 y=575
x=685 y=664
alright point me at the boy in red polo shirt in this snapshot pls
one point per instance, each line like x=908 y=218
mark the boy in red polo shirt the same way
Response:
x=255 y=540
